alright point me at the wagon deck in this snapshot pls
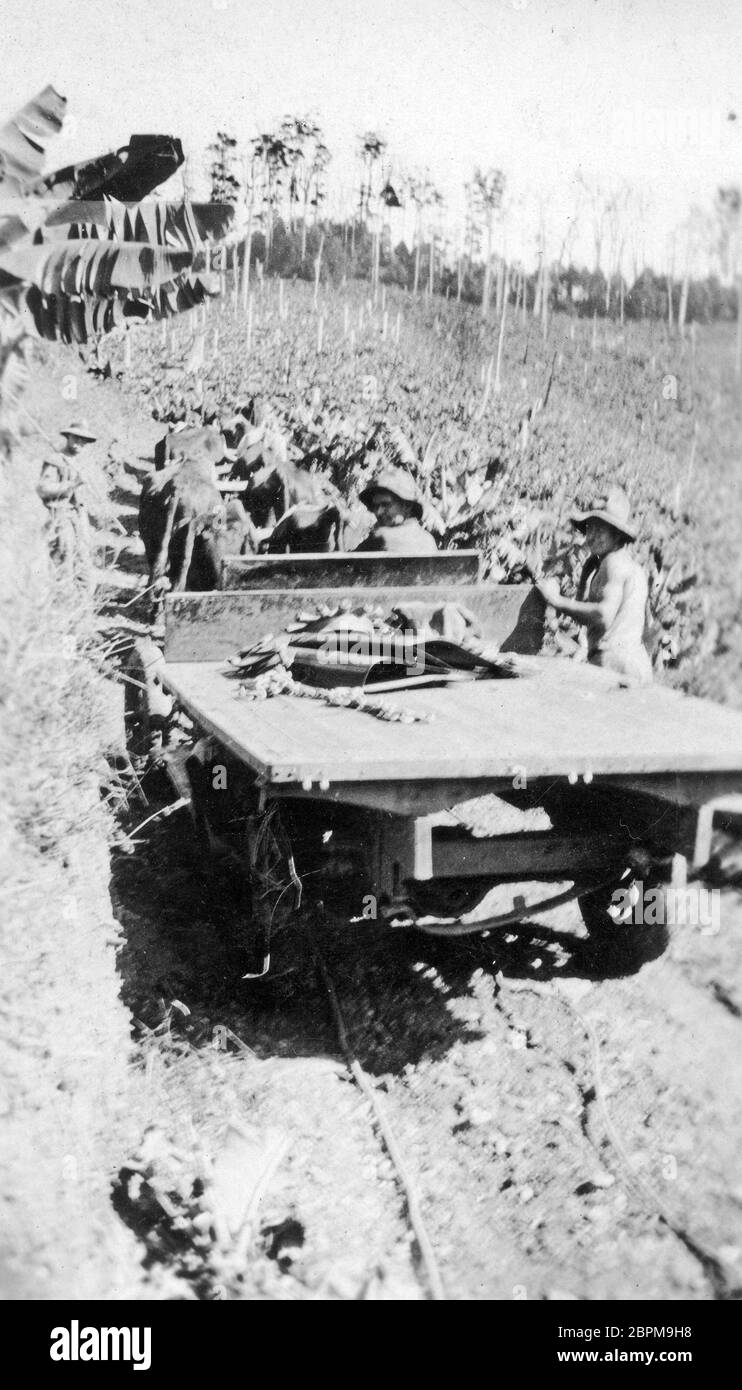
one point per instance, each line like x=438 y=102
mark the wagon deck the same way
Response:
x=557 y=719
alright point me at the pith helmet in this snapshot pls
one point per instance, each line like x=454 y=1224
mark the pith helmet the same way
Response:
x=399 y=483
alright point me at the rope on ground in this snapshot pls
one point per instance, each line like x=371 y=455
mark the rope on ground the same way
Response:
x=435 y=1283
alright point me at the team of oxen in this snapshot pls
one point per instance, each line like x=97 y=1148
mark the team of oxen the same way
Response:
x=232 y=487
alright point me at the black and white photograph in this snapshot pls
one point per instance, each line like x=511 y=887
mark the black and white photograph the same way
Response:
x=371 y=663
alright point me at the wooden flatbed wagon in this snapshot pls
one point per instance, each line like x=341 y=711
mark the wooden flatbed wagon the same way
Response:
x=628 y=779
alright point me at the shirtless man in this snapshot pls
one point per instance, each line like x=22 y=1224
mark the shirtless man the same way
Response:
x=612 y=594
x=393 y=499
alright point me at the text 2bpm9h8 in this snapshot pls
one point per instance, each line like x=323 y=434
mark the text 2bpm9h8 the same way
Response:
x=588 y=1333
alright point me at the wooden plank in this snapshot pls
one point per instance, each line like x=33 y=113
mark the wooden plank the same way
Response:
x=563 y=720
x=211 y=627
x=372 y=570
x=402 y=799
x=684 y=791
x=539 y=852
x=422 y=848
x=403 y=850
x=681 y=789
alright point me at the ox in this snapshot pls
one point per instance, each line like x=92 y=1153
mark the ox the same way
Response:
x=270 y=481
x=308 y=528
x=187 y=528
x=195 y=441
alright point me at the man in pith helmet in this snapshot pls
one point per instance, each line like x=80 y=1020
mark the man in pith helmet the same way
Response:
x=393 y=498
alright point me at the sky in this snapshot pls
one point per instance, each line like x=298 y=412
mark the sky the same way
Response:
x=558 y=93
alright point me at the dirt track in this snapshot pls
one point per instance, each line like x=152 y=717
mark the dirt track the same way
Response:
x=523 y=1153
x=490 y=1085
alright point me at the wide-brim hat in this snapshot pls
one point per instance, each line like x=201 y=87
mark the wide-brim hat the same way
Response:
x=81 y=430
x=614 y=509
x=399 y=483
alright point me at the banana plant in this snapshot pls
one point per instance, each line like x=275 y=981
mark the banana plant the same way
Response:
x=83 y=248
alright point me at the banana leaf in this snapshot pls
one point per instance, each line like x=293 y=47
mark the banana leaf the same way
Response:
x=85 y=180
x=150 y=160
x=127 y=174
x=184 y=225
x=54 y=319
x=24 y=138
x=78 y=212
x=94 y=267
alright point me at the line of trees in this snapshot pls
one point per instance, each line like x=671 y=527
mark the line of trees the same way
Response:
x=573 y=290
x=280 y=181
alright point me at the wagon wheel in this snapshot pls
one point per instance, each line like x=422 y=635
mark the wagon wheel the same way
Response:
x=147 y=707
x=615 y=925
x=275 y=886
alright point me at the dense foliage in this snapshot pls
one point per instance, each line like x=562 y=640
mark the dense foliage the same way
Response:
x=573 y=289
x=500 y=468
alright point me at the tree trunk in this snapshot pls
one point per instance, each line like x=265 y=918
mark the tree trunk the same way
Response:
x=738 y=348
x=376 y=264
x=487 y=286
x=499 y=286
x=431 y=267
x=683 y=305
x=416 y=281
x=501 y=339
x=318 y=266
x=304 y=233
x=269 y=227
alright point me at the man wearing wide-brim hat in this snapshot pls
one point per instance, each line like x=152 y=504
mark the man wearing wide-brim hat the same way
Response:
x=59 y=478
x=611 y=601
x=393 y=498
x=78 y=433
x=61 y=489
